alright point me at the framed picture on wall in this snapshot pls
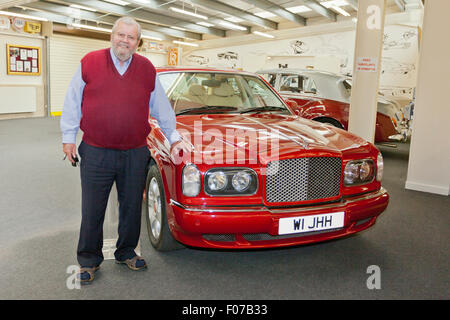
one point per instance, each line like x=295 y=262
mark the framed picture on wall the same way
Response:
x=23 y=60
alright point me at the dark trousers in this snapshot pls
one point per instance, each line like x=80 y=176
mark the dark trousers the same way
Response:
x=99 y=169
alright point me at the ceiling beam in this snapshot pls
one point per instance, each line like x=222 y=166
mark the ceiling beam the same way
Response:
x=143 y=15
x=7 y=4
x=233 y=11
x=277 y=10
x=154 y=30
x=317 y=7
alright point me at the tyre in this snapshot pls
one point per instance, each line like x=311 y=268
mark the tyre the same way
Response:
x=155 y=212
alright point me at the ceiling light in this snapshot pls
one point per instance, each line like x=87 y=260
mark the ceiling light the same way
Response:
x=142 y=1
x=205 y=24
x=336 y=3
x=185 y=43
x=188 y=13
x=234 y=19
x=122 y=3
x=265 y=14
x=85 y=26
x=178 y=28
x=262 y=34
x=341 y=11
x=82 y=7
x=298 y=9
x=232 y=25
x=150 y=37
x=25 y=16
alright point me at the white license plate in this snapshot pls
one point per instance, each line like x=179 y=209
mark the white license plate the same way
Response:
x=311 y=223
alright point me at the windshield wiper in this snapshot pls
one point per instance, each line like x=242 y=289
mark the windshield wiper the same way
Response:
x=264 y=109
x=206 y=108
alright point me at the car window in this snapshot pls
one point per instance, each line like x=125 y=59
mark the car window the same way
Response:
x=233 y=92
x=270 y=78
x=297 y=84
x=167 y=80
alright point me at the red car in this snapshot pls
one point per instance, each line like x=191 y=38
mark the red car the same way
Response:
x=258 y=176
x=325 y=97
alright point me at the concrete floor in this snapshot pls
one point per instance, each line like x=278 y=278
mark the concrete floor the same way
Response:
x=40 y=218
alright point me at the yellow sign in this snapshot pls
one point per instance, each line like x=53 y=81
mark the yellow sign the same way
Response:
x=32 y=27
x=173 y=57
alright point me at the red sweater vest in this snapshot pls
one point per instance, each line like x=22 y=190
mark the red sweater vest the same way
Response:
x=115 y=108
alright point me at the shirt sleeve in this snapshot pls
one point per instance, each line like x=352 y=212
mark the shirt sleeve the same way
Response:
x=71 y=114
x=162 y=111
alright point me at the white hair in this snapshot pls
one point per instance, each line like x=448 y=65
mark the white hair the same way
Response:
x=129 y=21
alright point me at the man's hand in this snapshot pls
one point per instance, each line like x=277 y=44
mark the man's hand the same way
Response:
x=70 y=150
x=178 y=150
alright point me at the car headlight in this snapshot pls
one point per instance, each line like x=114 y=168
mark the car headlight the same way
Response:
x=190 y=181
x=359 y=172
x=380 y=166
x=230 y=182
x=217 y=181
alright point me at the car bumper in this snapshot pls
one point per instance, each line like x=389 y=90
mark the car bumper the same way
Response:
x=257 y=227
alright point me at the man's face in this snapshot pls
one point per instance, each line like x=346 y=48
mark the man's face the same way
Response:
x=124 y=41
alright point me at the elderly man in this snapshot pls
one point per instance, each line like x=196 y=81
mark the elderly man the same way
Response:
x=109 y=99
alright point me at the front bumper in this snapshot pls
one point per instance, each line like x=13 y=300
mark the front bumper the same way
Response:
x=257 y=227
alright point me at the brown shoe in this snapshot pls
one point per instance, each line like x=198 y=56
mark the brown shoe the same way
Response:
x=86 y=274
x=136 y=263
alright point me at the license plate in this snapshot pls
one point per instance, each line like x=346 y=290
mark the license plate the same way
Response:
x=311 y=223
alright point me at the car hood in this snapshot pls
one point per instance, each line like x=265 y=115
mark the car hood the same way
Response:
x=262 y=136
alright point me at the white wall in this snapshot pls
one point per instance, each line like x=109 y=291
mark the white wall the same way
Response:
x=20 y=95
x=323 y=50
x=429 y=164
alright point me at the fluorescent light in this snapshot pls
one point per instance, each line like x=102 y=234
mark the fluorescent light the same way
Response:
x=262 y=34
x=188 y=13
x=25 y=16
x=185 y=43
x=298 y=9
x=265 y=14
x=178 y=28
x=234 y=19
x=335 y=3
x=341 y=11
x=232 y=25
x=150 y=37
x=82 y=7
x=122 y=3
x=84 y=26
x=205 y=24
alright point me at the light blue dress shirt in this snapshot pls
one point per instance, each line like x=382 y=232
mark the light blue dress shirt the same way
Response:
x=160 y=107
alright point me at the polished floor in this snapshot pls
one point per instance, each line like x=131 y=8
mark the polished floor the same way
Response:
x=40 y=218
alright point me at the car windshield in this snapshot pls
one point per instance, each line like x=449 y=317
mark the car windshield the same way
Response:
x=208 y=92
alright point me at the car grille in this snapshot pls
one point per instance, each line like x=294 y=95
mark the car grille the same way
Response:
x=303 y=179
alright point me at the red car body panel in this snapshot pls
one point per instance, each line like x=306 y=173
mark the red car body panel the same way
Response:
x=317 y=108
x=192 y=220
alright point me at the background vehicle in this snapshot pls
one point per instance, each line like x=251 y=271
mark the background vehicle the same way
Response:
x=325 y=97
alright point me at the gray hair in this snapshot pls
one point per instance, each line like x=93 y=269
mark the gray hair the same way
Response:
x=129 y=21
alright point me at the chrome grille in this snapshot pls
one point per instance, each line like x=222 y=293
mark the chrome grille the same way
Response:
x=302 y=179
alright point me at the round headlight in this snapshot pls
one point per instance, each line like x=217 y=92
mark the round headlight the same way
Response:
x=351 y=173
x=380 y=166
x=217 y=181
x=190 y=181
x=241 y=181
x=364 y=171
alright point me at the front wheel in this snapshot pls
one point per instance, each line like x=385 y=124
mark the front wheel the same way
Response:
x=155 y=212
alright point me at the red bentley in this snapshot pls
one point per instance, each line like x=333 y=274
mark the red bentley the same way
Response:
x=258 y=176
